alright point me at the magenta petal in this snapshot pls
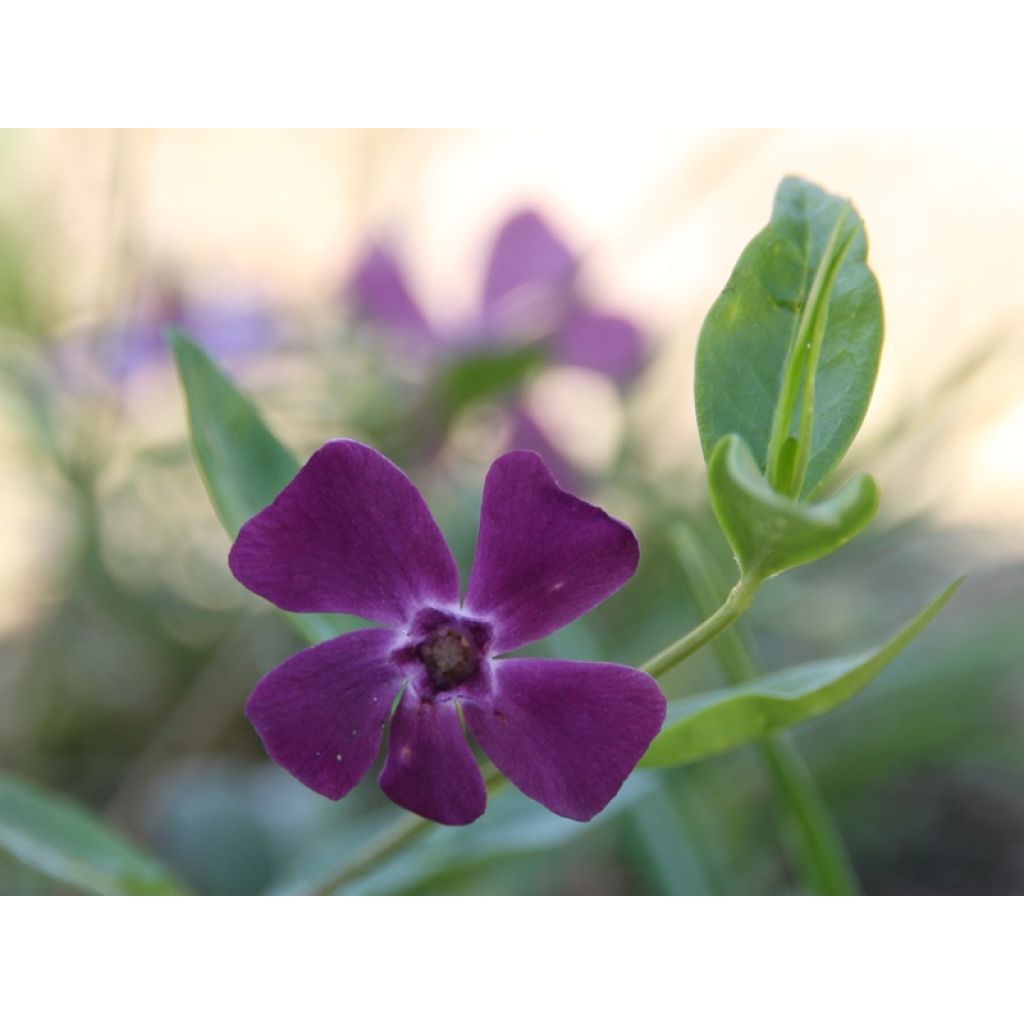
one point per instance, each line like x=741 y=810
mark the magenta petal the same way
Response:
x=430 y=769
x=321 y=713
x=543 y=556
x=598 y=341
x=349 y=534
x=568 y=733
x=382 y=297
x=527 y=254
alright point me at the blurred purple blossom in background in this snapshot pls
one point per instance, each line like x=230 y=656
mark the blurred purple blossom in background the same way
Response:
x=531 y=294
x=231 y=327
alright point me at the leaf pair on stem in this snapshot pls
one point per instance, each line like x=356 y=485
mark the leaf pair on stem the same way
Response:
x=786 y=364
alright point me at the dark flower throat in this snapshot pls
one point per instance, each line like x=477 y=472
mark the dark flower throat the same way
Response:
x=450 y=655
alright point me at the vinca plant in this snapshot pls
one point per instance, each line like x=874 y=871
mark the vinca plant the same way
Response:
x=441 y=681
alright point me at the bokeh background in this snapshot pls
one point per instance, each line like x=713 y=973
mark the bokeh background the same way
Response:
x=127 y=650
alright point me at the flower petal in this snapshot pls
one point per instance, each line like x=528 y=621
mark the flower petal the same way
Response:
x=568 y=733
x=600 y=341
x=543 y=556
x=382 y=297
x=528 y=435
x=430 y=768
x=527 y=256
x=349 y=534
x=321 y=713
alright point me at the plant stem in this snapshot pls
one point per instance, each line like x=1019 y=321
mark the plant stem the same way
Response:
x=824 y=862
x=376 y=850
x=386 y=844
x=823 y=857
x=735 y=605
x=801 y=367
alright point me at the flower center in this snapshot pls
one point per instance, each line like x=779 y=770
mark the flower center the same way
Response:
x=451 y=655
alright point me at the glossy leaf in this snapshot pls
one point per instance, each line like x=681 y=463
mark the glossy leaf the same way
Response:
x=747 y=336
x=63 y=841
x=719 y=720
x=769 y=532
x=242 y=464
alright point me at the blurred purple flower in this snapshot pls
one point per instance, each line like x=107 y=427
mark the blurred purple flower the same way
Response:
x=530 y=294
x=231 y=328
x=351 y=533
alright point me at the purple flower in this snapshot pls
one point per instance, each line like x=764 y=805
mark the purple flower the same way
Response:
x=352 y=534
x=531 y=293
x=229 y=327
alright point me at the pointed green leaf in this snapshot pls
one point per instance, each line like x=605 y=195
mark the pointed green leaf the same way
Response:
x=747 y=336
x=770 y=532
x=719 y=720
x=243 y=465
x=63 y=841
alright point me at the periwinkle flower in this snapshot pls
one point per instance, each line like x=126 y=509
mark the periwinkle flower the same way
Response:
x=351 y=533
x=230 y=327
x=531 y=294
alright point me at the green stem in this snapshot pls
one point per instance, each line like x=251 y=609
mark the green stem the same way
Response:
x=824 y=862
x=823 y=857
x=786 y=468
x=735 y=605
x=805 y=434
x=386 y=844
x=376 y=850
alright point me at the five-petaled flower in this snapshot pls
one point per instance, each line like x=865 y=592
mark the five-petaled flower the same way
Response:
x=351 y=533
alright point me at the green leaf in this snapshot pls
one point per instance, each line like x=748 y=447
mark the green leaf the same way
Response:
x=243 y=465
x=719 y=720
x=59 y=839
x=478 y=376
x=746 y=339
x=770 y=532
